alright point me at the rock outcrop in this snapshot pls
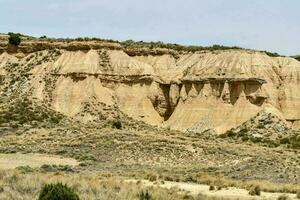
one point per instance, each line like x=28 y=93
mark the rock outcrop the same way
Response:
x=268 y=127
x=216 y=90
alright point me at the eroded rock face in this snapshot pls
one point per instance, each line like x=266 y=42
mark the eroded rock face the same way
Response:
x=218 y=103
x=194 y=91
x=268 y=125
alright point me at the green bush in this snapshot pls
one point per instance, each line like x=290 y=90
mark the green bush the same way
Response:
x=211 y=187
x=117 y=124
x=57 y=191
x=14 y=38
x=255 y=191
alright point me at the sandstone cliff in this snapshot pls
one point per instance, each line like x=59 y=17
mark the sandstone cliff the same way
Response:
x=205 y=90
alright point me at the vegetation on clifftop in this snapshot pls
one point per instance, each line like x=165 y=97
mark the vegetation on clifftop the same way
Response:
x=131 y=44
x=14 y=38
x=297 y=57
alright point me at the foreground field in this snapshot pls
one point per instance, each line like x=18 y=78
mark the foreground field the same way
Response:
x=22 y=185
x=17 y=186
x=138 y=151
x=222 y=193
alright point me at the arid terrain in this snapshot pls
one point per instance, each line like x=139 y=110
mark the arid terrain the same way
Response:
x=114 y=119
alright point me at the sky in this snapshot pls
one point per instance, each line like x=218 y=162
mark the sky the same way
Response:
x=272 y=25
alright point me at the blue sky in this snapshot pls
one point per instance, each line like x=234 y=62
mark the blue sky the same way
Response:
x=272 y=25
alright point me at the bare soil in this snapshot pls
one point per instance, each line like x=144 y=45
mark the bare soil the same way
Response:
x=11 y=161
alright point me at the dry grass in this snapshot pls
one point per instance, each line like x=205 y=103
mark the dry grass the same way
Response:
x=262 y=184
x=220 y=181
x=165 y=155
x=148 y=152
x=18 y=186
x=15 y=185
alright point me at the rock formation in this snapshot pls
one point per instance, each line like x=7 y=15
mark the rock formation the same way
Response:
x=216 y=90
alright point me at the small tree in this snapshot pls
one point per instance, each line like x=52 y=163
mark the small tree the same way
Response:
x=14 y=39
x=57 y=191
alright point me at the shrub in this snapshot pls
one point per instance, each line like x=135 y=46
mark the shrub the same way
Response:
x=282 y=197
x=117 y=124
x=228 y=133
x=298 y=195
x=14 y=39
x=54 y=168
x=57 y=191
x=25 y=169
x=211 y=187
x=255 y=191
x=219 y=187
x=152 y=177
x=145 y=196
x=285 y=141
x=272 y=54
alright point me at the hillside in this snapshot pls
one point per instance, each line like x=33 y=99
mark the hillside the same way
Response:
x=217 y=116
x=197 y=91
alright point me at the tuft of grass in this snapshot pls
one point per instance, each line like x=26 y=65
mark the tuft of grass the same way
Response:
x=152 y=177
x=144 y=196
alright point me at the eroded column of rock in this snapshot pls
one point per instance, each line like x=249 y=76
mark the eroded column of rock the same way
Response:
x=225 y=96
x=174 y=95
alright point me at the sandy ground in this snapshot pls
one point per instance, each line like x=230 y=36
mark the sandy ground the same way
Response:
x=11 y=161
x=228 y=193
